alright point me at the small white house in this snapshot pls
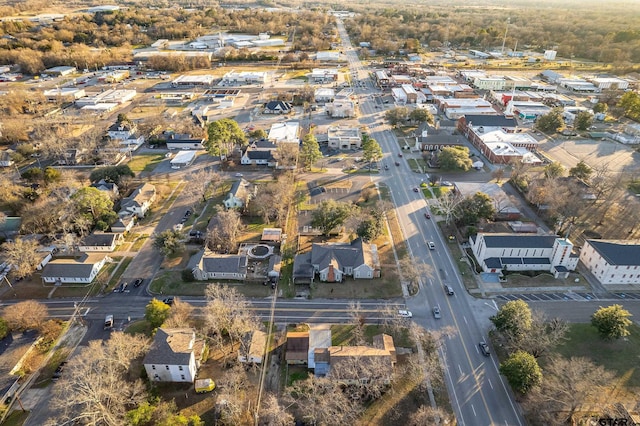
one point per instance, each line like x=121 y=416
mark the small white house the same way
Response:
x=174 y=356
x=212 y=266
x=74 y=271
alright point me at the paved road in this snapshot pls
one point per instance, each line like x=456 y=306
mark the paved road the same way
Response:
x=478 y=394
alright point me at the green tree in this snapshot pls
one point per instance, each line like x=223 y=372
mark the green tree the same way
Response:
x=52 y=175
x=630 y=104
x=369 y=229
x=223 y=135
x=169 y=242
x=612 y=322
x=455 y=158
x=4 y=328
x=420 y=115
x=111 y=174
x=397 y=115
x=522 y=371
x=600 y=107
x=513 y=320
x=583 y=121
x=581 y=171
x=330 y=215
x=310 y=151
x=257 y=134
x=156 y=312
x=554 y=170
x=92 y=201
x=550 y=122
x=371 y=151
x=475 y=207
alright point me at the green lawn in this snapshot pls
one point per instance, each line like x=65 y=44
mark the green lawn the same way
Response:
x=145 y=162
x=620 y=356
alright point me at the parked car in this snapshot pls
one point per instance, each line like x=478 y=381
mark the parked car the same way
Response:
x=123 y=287
x=484 y=348
x=58 y=373
x=436 y=312
x=402 y=313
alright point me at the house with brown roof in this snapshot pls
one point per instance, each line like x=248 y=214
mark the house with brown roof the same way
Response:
x=351 y=364
x=175 y=355
x=297 y=347
x=333 y=262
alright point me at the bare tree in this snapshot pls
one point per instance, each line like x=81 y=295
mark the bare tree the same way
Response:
x=96 y=388
x=542 y=337
x=319 y=400
x=26 y=315
x=272 y=413
x=223 y=236
x=180 y=314
x=364 y=378
x=286 y=155
x=567 y=385
x=426 y=415
x=202 y=185
x=448 y=206
x=358 y=321
x=228 y=317
x=23 y=256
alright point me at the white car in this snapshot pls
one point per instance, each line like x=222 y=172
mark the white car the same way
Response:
x=238 y=174
x=436 y=312
x=432 y=245
x=405 y=314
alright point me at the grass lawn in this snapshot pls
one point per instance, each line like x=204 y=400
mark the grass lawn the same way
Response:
x=17 y=418
x=145 y=162
x=619 y=356
x=121 y=268
x=170 y=283
x=139 y=241
x=140 y=327
x=542 y=280
x=465 y=270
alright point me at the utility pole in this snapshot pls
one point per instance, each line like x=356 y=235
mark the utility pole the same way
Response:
x=504 y=40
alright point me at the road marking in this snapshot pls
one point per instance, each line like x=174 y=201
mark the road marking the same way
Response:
x=474 y=410
x=465 y=320
x=460 y=368
x=490 y=384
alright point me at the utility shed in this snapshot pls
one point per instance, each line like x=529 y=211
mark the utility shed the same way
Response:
x=183 y=159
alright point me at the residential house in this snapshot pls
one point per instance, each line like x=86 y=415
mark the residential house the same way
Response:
x=74 y=271
x=140 y=201
x=108 y=187
x=259 y=153
x=211 y=266
x=297 y=351
x=252 y=347
x=184 y=141
x=72 y=157
x=344 y=138
x=285 y=132
x=354 y=364
x=100 y=242
x=5 y=158
x=175 y=355
x=498 y=252
x=612 y=262
x=125 y=132
x=333 y=262
x=238 y=195
x=341 y=108
x=124 y=223
x=319 y=337
x=277 y=107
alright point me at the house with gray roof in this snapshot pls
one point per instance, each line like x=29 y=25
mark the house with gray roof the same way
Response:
x=139 y=202
x=524 y=252
x=108 y=187
x=277 y=107
x=334 y=262
x=612 y=261
x=259 y=153
x=74 y=271
x=212 y=266
x=239 y=194
x=124 y=223
x=100 y=241
x=175 y=355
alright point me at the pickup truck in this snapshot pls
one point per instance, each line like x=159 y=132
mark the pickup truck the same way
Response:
x=108 y=322
x=205 y=385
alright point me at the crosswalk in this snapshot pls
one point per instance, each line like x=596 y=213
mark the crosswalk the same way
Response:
x=576 y=296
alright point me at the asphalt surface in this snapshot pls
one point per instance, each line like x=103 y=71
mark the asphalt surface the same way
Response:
x=478 y=393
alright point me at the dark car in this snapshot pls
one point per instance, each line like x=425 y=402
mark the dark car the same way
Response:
x=427 y=215
x=137 y=282
x=123 y=287
x=58 y=373
x=484 y=348
x=416 y=190
x=386 y=167
x=397 y=164
x=399 y=154
x=168 y=301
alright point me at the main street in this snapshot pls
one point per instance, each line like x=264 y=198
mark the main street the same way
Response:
x=478 y=393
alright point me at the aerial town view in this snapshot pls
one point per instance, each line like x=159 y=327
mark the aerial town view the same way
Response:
x=279 y=213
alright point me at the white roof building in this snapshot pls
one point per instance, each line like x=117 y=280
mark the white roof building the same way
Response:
x=610 y=83
x=285 y=132
x=64 y=94
x=328 y=55
x=244 y=77
x=111 y=96
x=193 y=80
